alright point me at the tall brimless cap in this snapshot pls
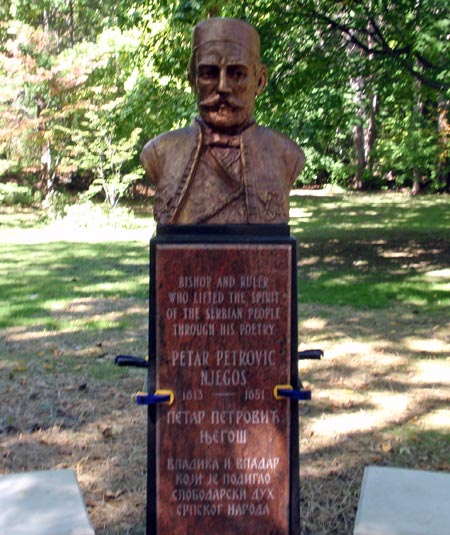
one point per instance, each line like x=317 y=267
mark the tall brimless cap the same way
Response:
x=226 y=30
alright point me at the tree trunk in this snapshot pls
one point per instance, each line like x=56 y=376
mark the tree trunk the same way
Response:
x=364 y=131
x=45 y=22
x=443 y=171
x=358 y=144
x=71 y=25
x=417 y=179
x=371 y=133
x=417 y=113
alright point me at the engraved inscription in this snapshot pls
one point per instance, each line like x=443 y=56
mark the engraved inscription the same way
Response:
x=223 y=343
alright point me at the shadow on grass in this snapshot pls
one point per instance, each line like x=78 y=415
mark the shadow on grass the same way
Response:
x=368 y=252
x=36 y=280
x=374 y=275
x=367 y=214
x=374 y=293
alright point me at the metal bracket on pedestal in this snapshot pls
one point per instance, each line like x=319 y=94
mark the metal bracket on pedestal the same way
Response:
x=287 y=391
x=310 y=354
x=131 y=360
x=160 y=396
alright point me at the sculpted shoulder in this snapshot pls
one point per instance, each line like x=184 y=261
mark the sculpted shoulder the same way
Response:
x=277 y=140
x=169 y=148
x=279 y=148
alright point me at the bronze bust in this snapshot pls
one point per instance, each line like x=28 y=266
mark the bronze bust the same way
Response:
x=223 y=168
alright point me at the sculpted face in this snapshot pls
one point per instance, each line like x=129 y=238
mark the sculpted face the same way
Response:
x=226 y=80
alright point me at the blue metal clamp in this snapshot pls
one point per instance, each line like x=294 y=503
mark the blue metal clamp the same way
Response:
x=287 y=391
x=160 y=396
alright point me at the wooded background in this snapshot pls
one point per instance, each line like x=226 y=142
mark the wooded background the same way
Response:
x=362 y=86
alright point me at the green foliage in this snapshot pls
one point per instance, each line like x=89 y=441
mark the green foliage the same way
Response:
x=55 y=205
x=323 y=169
x=94 y=148
x=7 y=167
x=89 y=215
x=407 y=147
x=75 y=74
x=12 y=193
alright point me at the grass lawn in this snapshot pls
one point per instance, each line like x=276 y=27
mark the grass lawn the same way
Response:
x=374 y=293
x=374 y=251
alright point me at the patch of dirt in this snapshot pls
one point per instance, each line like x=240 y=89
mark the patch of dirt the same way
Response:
x=381 y=395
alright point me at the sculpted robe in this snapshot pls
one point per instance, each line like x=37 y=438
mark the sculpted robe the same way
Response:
x=189 y=190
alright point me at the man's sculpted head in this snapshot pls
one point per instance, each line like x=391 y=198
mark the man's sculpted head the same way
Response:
x=225 y=72
x=223 y=169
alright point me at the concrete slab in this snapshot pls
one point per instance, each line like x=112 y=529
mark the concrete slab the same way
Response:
x=43 y=503
x=398 y=501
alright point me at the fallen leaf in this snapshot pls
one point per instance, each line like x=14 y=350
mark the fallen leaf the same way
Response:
x=111 y=495
x=106 y=431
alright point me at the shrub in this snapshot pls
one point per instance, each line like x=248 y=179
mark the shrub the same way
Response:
x=12 y=193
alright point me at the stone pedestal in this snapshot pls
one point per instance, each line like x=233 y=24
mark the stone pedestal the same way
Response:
x=223 y=457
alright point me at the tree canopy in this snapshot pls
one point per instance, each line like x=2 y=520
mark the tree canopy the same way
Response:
x=362 y=86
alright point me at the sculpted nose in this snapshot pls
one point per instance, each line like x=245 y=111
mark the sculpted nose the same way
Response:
x=223 y=86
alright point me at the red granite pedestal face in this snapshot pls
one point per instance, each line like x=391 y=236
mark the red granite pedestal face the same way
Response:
x=223 y=315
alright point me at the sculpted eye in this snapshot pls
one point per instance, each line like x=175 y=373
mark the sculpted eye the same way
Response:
x=208 y=72
x=237 y=72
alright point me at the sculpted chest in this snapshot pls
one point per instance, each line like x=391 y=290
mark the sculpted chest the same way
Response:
x=190 y=190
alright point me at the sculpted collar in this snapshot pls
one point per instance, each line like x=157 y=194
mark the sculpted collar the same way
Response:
x=218 y=139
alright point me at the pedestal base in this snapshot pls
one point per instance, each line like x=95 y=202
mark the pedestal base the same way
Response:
x=43 y=503
x=397 y=501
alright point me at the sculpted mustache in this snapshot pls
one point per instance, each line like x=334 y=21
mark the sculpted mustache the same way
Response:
x=217 y=100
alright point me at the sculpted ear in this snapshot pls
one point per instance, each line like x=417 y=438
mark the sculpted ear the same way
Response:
x=262 y=79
